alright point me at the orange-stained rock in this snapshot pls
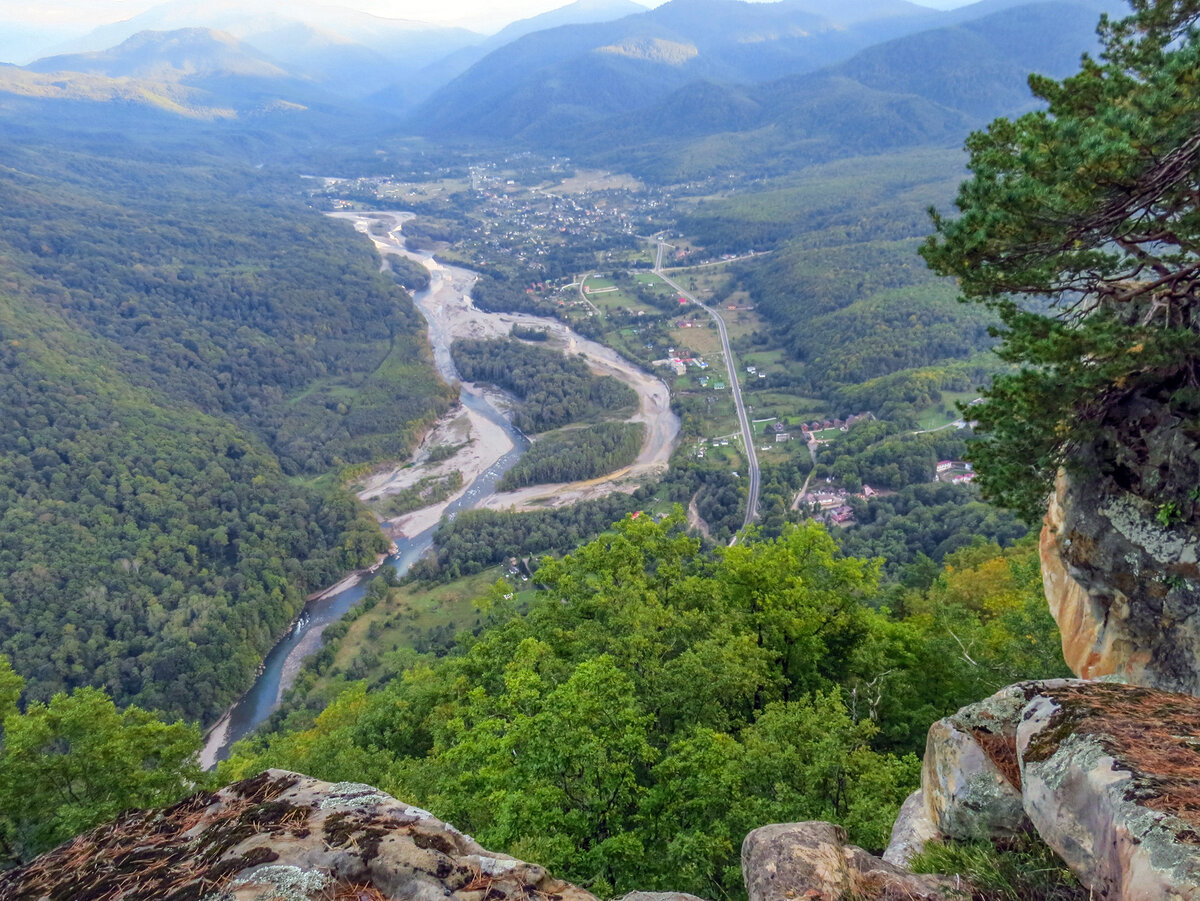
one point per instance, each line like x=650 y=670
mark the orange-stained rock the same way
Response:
x=1111 y=781
x=1123 y=587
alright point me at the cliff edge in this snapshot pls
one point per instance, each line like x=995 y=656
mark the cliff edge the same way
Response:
x=281 y=836
x=1120 y=549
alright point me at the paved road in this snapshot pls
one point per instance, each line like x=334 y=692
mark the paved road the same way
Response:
x=735 y=386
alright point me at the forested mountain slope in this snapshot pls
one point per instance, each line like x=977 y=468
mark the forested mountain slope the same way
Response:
x=931 y=87
x=655 y=702
x=544 y=82
x=176 y=341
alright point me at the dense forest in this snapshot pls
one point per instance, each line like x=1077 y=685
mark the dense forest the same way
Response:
x=477 y=539
x=227 y=300
x=176 y=343
x=922 y=524
x=843 y=288
x=499 y=294
x=554 y=389
x=688 y=697
x=573 y=454
x=883 y=455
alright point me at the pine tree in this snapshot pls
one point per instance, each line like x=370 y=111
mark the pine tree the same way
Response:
x=1080 y=227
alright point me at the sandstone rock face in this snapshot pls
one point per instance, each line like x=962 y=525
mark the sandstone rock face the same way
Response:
x=280 y=837
x=1122 y=579
x=1111 y=777
x=970 y=778
x=812 y=862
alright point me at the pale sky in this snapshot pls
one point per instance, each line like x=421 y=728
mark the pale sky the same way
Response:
x=78 y=14
x=33 y=28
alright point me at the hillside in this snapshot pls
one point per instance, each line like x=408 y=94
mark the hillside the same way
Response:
x=926 y=88
x=546 y=82
x=416 y=87
x=659 y=698
x=178 y=342
x=343 y=50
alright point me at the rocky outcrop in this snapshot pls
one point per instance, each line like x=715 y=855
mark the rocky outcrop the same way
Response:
x=1120 y=549
x=1111 y=779
x=911 y=831
x=970 y=779
x=281 y=837
x=1107 y=774
x=812 y=862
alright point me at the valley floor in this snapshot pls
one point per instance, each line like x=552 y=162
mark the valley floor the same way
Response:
x=451 y=315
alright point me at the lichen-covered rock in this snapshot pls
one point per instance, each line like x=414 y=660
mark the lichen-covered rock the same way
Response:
x=659 y=896
x=970 y=778
x=1120 y=551
x=1111 y=781
x=812 y=862
x=280 y=837
x=911 y=831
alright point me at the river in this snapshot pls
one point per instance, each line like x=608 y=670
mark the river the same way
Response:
x=446 y=312
x=304 y=639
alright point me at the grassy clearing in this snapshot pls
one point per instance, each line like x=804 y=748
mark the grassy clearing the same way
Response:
x=700 y=340
x=409 y=619
x=946 y=411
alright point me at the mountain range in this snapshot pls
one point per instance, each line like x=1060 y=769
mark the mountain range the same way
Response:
x=690 y=87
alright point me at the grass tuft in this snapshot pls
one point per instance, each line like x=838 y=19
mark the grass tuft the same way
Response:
x=1018 y=869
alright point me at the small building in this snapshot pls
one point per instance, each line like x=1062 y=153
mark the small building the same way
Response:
x=944 y=465
x=842 y=515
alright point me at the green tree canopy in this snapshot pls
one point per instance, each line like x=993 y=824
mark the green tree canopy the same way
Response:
x=78 y=761
x=655 y=702
x=1080 y=227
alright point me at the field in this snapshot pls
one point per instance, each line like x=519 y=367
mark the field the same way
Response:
x=946 y=411
x=411 y=618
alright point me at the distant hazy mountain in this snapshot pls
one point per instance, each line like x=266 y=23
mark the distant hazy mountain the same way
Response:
x=158 y=79
x=930 y=87
x=185 y=54
x=347 y=52
x=555 y=79
x=415 y=88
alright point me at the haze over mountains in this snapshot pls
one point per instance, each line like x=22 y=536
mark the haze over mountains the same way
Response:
x=800 y=76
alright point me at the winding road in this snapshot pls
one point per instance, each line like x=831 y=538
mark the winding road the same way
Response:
x=734 y=385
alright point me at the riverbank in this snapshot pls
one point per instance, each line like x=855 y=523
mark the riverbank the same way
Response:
x=484 y=443
x=447 y=307
x=491 y=446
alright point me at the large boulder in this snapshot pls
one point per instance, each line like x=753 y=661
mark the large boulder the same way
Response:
x=912 y=830
x=970 y=778
x=1111 y=781
x=281 y=835
x=812 y=862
